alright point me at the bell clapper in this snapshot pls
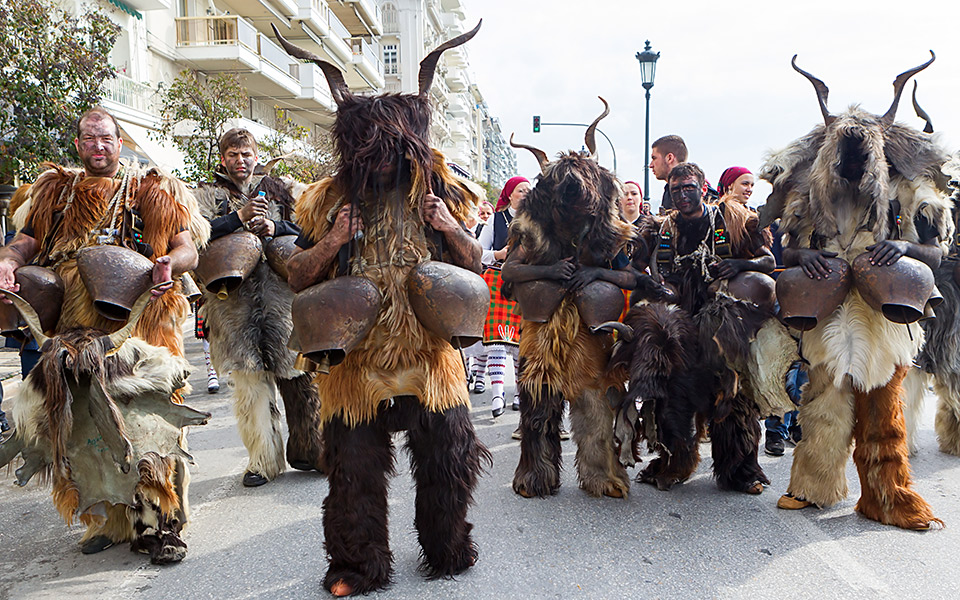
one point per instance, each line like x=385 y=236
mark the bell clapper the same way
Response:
x=222 y=294
x=324 y=365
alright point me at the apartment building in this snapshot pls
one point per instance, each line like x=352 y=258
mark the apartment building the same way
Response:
x=461 y=126
x=160 y=38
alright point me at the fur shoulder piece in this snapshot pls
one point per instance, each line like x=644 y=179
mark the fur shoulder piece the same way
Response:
x=177 y=204
x=48 y=196
x=20 y=206
x=317 y=206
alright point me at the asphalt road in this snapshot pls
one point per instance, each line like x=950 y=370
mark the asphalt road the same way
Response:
x=692 y=542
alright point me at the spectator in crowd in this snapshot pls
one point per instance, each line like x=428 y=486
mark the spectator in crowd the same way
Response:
x=631 y=203
x=736 y=184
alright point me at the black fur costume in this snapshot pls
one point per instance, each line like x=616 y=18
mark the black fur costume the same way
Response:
x=400 y=376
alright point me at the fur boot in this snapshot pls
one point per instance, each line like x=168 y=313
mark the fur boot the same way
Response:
x=301 y=405
x=445 y=457
x=881 y=458
x=598 y=469
x=258 y=421
x=538 y=472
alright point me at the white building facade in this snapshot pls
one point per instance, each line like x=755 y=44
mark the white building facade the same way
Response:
x=160 y=38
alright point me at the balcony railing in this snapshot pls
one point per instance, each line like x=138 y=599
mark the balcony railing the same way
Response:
x=274 y=54
x=337 y=27
x=125 y=91
x=369 y=52
x=216 y=31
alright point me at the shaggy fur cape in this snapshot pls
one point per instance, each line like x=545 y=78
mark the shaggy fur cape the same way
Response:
x=399 y=357
x=857 y=340
x=166 y=208
x=572 y=211
x=249 y=330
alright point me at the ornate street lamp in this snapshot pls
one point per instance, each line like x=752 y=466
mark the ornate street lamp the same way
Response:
x=648 y=69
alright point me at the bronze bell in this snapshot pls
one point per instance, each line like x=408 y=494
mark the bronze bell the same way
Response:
x=227 y=261
x=900 y=291
x=598 y=302
x=114 y=277
x=43 y=289
x=538 y=299
x=804 y=302
x=449 y=301
x=752 y=286
x=278 y=250
x=331 y=318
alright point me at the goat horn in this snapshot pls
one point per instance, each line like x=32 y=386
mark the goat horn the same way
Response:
x=624 y=330
x=821 y=89
x=29 y=315
x=338 y=87
x=429 y=64
x=109 y=423
x=920 y=112
x=273 y=162
x=118 y=337
x=540 y=155
x=591 y=136
x=898 y=83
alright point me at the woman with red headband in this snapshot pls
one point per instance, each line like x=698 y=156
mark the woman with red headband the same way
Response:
x=736 y=183
x=501 y=333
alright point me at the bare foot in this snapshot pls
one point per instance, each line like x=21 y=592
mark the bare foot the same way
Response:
x=341 y=588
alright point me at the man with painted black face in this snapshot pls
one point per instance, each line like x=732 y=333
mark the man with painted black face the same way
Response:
x=692 y=252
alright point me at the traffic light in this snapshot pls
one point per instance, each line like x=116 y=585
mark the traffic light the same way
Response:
x=536 y=123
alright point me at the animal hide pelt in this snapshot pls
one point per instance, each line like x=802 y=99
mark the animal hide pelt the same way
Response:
x=60 y=435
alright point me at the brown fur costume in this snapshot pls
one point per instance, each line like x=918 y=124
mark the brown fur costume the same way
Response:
x=166 y=208
x=571 y=212
x=401 y=376
x=835 y=189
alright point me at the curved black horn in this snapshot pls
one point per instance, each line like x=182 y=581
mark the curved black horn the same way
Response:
x=540 y=155
x=623 y=330
x=338 y=87
x=820 y=87
x=29 y=315
x=590 y=139
x=920 y=112
x=429 y=64
x=898 y=83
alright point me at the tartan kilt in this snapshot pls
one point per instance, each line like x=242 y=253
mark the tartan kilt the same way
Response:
x=503 y=321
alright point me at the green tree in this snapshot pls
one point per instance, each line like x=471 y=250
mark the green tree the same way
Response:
x=308 y=156
x=52 y=68
x=493 y=194
x=193 y=112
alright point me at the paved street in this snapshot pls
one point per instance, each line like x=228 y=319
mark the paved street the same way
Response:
x=692 y=542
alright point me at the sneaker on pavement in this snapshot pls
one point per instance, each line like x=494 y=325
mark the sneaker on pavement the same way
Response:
x=497 y=406
x=773 y=446
x=516 y=434
x=564 y=435
x=479 y=386
x=516 y=403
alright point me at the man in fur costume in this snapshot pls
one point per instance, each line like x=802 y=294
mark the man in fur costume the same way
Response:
x=695 y=252
x=250 y=327
x=938 y=363
x=114 y=204
x=392 y=207
x=859 y=187
x=567 y=236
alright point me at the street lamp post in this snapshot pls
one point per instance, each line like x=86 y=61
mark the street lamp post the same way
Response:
x=648 y=69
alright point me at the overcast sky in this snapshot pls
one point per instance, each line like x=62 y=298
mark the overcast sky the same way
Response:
x=723 y=81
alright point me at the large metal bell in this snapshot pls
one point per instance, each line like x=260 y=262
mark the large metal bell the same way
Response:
x=114 y=277
x=598 y=302
x=539 y=299
x=331 y=318
x=43 y=289
x=900 y=291
x=278 y=250
x=449 y=301
x=757 y=288
x=227 y=261
x=804 y=302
